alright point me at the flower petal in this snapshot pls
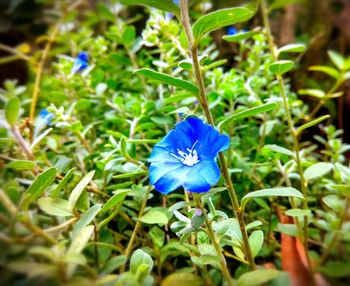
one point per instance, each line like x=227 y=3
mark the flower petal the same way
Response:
x=161 y=154
x=171 y=181
x=219 y=144
x=210 y=141
x=210 y=171
x=195 y=183
x=160 y=169
x=176 y=139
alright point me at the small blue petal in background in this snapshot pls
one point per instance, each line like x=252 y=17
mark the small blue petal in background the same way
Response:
x=80 y=63
x=186 y=157
x=169 y=16
x=231 y=31
x=46 y=116
x=177 y=2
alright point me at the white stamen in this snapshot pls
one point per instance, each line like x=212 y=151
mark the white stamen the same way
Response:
x=189 y=159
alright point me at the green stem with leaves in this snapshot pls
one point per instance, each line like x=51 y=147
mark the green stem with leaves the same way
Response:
x=136 y=228
x=297 y=158
x=215 y=241
x=193 y=46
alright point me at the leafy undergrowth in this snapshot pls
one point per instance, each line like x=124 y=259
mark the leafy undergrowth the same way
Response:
x=77 y=205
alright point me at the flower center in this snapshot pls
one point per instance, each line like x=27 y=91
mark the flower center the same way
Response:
x=190 y=158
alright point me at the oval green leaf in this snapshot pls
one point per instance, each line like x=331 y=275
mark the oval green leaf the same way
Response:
x=54 y=206
x=39 y=185
x=281 y=67
x=154 y=217
x=240 y=36
x=327 y=70
x=311 y=123
x=257 y=277
x=256 y=240
x=179 y=83
x=298 y=212
x=85 y=219
x=275 y=192
x=21 y=165
x=248 y=112
x=317 y=170
x=219 y=19
x=79 y=188
x=12 y=110
x=116 y=199
x=292 y=48
x=337 y=59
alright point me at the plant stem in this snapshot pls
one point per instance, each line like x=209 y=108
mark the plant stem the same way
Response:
x=136 y=228
x=273 y=51
x=204 y=103
x=215 y=241
x=324 y=99
x=336 y=234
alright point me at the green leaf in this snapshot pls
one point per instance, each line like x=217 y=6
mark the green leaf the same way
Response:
x=240 y=36
x=292 y=48
x=327 y=70
x=116 y=199
x=183 y=279
x=298 y=212
x=139 y=258
x=129 y=35
x=219 y=19
x=257 y=277
x=79 y=188
x=114 y=263
x=64 y=181
x=281 y=67
x=279 y=149
x=311 y=123
x=343 y=189
x=312 y=92
x=186 y=64
x=165 y=5
x=130 y=175
x=79 y=242
x=85 y=219
x=180 y=83
x=39 y=185
x=334 y=203
x=21 y=165
x=207 y=259
x=288 y=228
x=317 y=170
x=256 y=240
x=74 y=258
x=105 y=12
x=336 y=269
x=337 y=59
x=282 y=3
x=12 y=110
x=55 y=206
x=275 y=192
x=247 y=113
x=154 y=217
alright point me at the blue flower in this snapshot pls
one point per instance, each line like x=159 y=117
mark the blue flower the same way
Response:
x=80 y=63
x=231 y=31
x=186 y=157
x=177 y=2
x=46 y=116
